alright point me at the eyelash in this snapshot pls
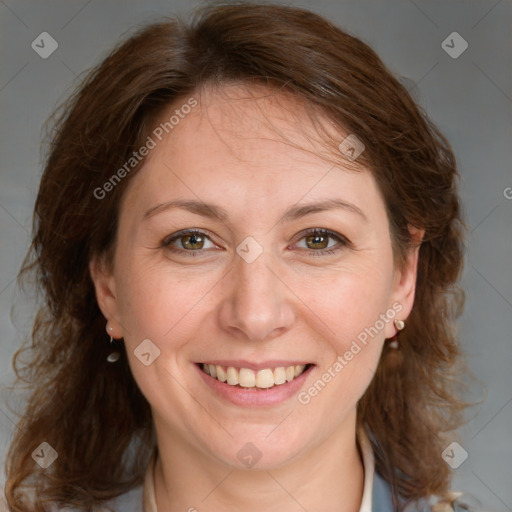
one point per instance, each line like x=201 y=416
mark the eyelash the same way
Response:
x=342 y=242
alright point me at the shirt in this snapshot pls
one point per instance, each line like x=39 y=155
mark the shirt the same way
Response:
x=377 y=494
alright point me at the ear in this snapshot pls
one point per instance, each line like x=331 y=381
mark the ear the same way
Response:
x=104 y=285
x=404 y=284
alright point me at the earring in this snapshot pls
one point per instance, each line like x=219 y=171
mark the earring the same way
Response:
x=393 y=342
x=113 y=356
x=399 y=324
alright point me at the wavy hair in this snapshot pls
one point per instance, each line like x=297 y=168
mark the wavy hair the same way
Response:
x=93 y=413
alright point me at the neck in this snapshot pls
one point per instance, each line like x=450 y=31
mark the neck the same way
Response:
x=328 y=477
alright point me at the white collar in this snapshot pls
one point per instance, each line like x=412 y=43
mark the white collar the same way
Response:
x=369 y=469
x=149 y=499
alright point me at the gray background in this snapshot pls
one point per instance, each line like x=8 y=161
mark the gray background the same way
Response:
x=469 y=98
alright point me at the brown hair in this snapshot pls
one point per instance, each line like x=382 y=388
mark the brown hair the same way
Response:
x=93 y=413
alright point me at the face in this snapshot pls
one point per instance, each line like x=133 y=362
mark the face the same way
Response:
x=248 y=277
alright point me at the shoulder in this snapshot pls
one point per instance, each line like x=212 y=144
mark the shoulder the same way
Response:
x=382 y=501
x=458 y=502
x=130 y=501
x=455 y=502
x=382 y=497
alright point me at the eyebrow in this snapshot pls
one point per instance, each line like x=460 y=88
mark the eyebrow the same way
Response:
x=216 y=212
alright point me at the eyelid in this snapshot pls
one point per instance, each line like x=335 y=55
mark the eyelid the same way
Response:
x=325 y=232
x=178 y=234
x=342 y=240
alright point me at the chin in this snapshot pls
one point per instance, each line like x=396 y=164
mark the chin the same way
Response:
x=260 y=448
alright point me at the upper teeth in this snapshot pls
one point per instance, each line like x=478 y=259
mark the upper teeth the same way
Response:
x=247 y=378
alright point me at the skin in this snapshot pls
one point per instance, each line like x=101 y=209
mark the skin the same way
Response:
x=290 y=303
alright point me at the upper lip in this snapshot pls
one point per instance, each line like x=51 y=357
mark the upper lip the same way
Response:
x=241 y=363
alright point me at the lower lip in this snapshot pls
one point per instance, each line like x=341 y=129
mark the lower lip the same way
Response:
x=254 y=396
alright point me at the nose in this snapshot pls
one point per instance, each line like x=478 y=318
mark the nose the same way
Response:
x=257 y=305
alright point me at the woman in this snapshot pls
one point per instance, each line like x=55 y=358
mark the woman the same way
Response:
x=248 y=238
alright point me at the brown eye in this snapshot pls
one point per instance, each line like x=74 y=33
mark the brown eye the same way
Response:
x=189 y=242
x=194 y=241
x=317 y=241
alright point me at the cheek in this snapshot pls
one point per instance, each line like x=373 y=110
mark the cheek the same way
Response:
x=353 y=335
x=156 y=302
x=350 y=301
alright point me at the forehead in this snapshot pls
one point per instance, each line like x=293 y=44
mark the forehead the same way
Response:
x=253 y=118
x=256 y=142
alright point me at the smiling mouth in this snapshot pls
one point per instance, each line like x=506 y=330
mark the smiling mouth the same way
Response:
x=247 y=378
